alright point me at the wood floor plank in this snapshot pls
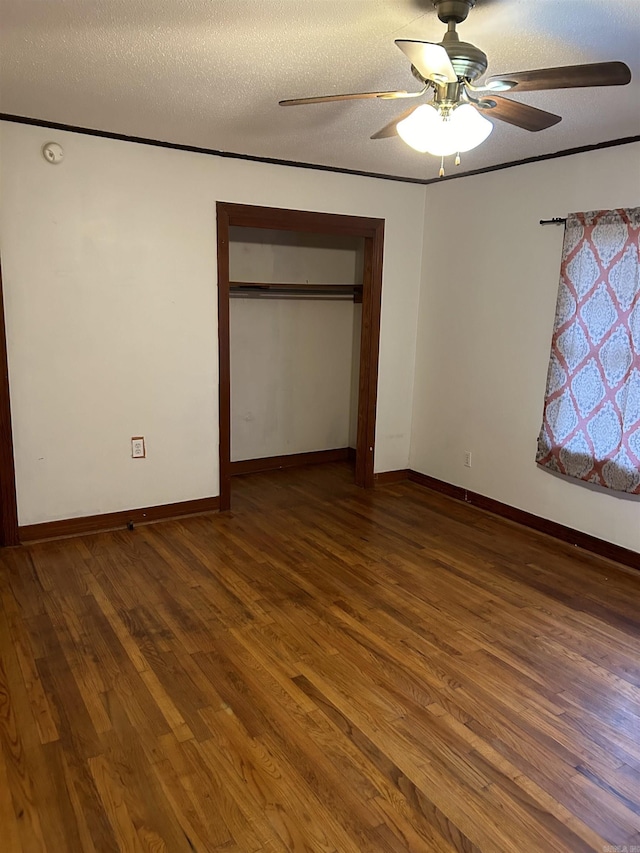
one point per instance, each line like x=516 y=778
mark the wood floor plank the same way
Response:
x=322 y=669
x=24 y=651
x=22 y=751
x=8 y=819
x=112 y=794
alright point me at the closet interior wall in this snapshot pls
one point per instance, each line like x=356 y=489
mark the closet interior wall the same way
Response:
x=294 y=356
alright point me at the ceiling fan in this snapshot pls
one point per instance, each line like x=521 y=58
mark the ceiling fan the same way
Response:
x=454 y=119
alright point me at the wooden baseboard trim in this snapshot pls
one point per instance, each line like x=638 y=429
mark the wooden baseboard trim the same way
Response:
x=291 y=460
x=436 y=485
x=115 y=520
x=543 y=525
x=385 y=478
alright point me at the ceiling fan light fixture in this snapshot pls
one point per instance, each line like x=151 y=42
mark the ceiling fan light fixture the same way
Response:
x=418 y=129
x=429 y=131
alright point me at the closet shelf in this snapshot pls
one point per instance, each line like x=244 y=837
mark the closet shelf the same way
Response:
x=258 y=289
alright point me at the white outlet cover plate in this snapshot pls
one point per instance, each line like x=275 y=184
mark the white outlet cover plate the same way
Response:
x=137 y=447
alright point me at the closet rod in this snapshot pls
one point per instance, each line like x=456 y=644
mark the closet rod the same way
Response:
x=273 y=285
x=292 y=294
x=286 y=290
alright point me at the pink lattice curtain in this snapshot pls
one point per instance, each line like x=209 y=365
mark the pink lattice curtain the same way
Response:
x=591 y=423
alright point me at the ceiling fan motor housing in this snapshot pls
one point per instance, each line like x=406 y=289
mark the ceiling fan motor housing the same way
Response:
x=468 y=60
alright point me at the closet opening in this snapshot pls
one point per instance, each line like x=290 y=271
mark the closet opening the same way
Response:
x=299 y=296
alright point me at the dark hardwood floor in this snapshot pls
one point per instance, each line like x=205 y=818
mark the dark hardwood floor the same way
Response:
x=323 y=669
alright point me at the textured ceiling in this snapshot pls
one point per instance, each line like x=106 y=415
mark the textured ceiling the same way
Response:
x=209 y=73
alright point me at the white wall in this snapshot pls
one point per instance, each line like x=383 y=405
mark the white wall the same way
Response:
x=292 y=257
x=109 y=268
x=484 y=332
x=290 y=376
x=291 y=359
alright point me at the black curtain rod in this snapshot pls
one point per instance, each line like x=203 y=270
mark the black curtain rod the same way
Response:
x=557 y=220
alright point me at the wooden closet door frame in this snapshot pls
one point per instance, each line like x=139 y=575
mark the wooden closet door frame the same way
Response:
x=8 y=503
x=279 y=219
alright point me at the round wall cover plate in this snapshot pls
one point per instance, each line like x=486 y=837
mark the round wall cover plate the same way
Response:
x=52 y=152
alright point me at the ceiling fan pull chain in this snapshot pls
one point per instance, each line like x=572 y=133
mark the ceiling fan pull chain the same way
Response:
x=442 y=167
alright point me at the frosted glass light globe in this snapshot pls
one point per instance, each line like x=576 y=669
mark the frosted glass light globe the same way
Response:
x=427 y=130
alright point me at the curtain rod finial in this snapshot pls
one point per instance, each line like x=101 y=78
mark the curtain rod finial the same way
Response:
x=557 y=220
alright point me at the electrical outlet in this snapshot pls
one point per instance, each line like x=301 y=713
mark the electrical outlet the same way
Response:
x=137 y=447
x=467 y=459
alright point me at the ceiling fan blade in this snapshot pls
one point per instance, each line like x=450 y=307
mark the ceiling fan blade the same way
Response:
x=431 y=60
x=355 y=96
x=390 y=129
x=567 y=77
x=522 y=115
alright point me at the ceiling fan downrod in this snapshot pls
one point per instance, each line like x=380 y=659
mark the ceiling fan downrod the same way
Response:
x=469 y=62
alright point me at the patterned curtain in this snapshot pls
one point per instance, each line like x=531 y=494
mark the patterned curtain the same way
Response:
x=591 y=423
